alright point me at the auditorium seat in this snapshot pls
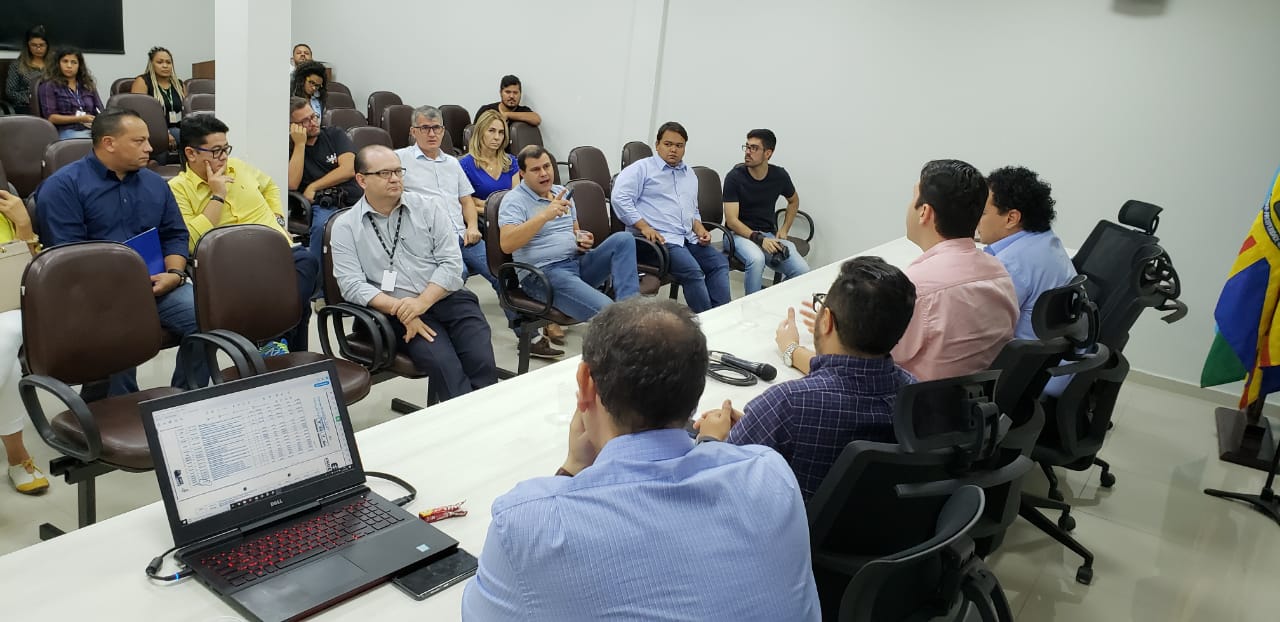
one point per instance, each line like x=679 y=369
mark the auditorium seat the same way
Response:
x=199 y=85
x=378 y=100
x=635 y=150
x=366 y=135
x=396 y=119
x=196 y=103
x=151 y=111
x=23 y=140
x=64 y=152
x=345 y=118
x=522 y=135
x=120 y=86
x=455 y=119
x=338 y=99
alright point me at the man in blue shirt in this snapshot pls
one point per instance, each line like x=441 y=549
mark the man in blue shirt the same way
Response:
x=1015 y=227
x=658 y=198
x=852 y=386
x=110 y=195
x=640 y=523
x=540 y=227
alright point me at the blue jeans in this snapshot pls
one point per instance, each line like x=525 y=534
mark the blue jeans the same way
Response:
x=319 y=216
x=73 y=131
x=308 y=271
x=576 y=280
x=756 y=259
x=703 y=272
x=178 y=316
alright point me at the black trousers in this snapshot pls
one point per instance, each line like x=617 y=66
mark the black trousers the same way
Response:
x=461 y=357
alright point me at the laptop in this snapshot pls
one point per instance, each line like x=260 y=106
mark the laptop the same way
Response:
x=266 y=496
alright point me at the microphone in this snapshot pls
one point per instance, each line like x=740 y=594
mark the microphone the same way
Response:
x=763 y=370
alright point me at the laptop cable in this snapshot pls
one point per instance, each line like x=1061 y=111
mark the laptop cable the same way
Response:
x=402 y=501
x=158 y=561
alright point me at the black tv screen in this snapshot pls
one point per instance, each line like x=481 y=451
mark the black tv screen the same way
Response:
x=92 y=25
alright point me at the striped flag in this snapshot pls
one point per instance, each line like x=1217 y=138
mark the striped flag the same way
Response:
x=1244 y=346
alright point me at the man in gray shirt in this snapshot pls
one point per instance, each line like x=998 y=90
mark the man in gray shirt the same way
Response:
x=397 y=253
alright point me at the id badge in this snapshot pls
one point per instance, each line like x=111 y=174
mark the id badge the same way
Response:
x=388 y=281
x=79 y=112
x=173 y=117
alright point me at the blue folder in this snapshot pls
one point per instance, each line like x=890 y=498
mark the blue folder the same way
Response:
x=147 y=244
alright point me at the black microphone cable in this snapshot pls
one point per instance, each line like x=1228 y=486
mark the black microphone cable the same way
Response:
x=729 y=374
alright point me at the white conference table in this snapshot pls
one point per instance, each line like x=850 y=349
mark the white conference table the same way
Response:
x=475 y=448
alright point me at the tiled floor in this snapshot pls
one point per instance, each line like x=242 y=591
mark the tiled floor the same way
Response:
x=1165 y=551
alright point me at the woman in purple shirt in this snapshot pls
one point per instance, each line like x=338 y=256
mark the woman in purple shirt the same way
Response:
x=68 y=94
x=488 y=166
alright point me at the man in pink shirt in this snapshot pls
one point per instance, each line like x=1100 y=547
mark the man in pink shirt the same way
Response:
x=966 y=307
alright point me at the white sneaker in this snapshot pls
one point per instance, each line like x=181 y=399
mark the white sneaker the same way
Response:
x=27 y=478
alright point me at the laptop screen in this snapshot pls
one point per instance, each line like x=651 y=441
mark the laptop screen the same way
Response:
x=251 y=446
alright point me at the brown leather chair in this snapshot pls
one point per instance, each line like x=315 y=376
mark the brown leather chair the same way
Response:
x=370 y=340
x=23 y=140
x=196 y=103
x=151 y=111
x=366 y=135
x=522 y=135
x=593 y=216
x=635 y=150
x=802 y=242
x=455 y=119
x=198 y=86
x=34 y=104
x=245 y=284
x=338 y=99
x=396 y=119
x=466 y=133
x=588 y=162
x=122 y=85
x=64 y=152
x=379 y=100
x=336 y=87
x=530 y=314
x=345 y=118
x=70 y=337
x=711 y=209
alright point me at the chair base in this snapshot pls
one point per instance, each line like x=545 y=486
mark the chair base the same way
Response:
x=1029 y=511
x=1244 y=442
x=84 y=476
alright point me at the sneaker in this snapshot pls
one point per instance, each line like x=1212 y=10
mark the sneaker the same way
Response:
x=543 y=350
x=555 y=333
x=274 y=348
x=27 y=479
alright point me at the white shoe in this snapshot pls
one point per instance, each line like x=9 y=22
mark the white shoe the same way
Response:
x=27 y=478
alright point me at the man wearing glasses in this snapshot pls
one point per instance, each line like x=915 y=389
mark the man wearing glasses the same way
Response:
x=215 y=189
x=751 y=190
x=852 y=382
x=397 y=253
x=321 y=167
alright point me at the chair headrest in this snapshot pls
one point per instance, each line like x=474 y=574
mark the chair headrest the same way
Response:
x=1141 y=215
x=952 y=413
x=1067 y=312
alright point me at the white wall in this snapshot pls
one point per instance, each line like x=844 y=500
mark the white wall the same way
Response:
x=185 y=27
x=1172 y=106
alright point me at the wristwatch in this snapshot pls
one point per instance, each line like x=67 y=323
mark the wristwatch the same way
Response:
x=182 y=275
x=789 y=352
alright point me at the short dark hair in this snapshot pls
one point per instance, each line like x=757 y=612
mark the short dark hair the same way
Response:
x=108 y=123
x=764 y=136
x=301 y=45
x=194 y=128
x=1016 y=187
x=872 y=302
x=958 y=194
x=671 y=126
x=510 y=80
x=532 y=152
x=648 y=358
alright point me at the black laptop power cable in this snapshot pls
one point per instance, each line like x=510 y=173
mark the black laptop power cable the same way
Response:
x=402 y=501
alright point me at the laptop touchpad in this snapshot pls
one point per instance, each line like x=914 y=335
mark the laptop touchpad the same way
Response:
x=314 y=583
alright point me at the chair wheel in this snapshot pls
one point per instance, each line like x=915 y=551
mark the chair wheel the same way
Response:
x=1084 y=575
x=1056 y=494
x=1066 y=522
x=1107 y=479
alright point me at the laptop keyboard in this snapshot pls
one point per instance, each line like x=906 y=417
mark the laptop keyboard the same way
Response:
x=277 y=550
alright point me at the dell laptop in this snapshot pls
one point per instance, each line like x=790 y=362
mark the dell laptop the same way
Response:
x=266 y=496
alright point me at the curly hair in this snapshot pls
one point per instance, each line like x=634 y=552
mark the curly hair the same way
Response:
x=299 y=86
x=1015 y=187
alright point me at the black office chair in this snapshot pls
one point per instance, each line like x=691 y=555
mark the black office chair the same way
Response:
x=941 y=579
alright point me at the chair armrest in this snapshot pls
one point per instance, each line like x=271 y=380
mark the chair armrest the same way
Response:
x=1083 y=363
x=777 y=217
x=244 y=355
x=298 y=202
x=31 y=401
x=1007 y=473
x=509 y=270
x=381 y=333
x=659 y=251
x=726 y=245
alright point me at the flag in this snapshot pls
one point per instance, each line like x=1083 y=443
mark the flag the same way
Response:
x=1244 y=346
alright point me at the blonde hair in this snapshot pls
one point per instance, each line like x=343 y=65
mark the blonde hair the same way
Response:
x=476 y=145
x=173 y=79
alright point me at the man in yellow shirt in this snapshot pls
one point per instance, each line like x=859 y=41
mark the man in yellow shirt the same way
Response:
x=215 y=189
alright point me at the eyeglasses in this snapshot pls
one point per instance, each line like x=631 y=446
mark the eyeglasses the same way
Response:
x=386 y=174
x=315 y=83
x=217 y=152
x=430 y=129
x=751 y=148
x=313 y=118
x=819 y=302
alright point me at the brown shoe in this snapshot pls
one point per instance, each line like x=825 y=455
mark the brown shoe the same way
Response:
x=555 y=333
x=543 y=350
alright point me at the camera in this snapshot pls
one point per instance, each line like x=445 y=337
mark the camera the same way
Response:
x=330 y=198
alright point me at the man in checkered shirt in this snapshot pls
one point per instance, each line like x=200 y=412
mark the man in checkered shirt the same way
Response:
x=852 y=382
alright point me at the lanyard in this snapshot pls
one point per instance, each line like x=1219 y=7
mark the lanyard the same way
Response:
x=395 y=243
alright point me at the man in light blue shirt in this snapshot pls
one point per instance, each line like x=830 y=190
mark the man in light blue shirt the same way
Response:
x=640 y=523
x=658 y=198
x=540 y=227
x=1015 y=227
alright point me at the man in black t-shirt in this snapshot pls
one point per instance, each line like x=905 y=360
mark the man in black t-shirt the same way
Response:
x=509 y=106
x=321 y=167
x=751 y=192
